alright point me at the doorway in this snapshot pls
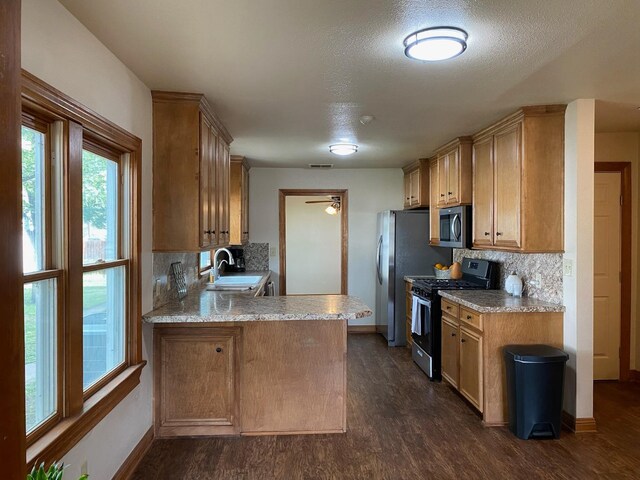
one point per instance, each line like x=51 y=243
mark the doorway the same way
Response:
x=612 y=275
x=313 y=242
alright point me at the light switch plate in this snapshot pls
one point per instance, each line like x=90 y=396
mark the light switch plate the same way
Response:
x=273 y=251
x=567 y=267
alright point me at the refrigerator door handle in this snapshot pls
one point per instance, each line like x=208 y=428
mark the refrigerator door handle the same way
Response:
x=378 y=259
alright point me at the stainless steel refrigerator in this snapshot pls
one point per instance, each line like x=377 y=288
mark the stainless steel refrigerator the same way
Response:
x=402 y=249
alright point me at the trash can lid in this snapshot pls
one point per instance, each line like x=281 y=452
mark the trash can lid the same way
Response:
x=536 y=353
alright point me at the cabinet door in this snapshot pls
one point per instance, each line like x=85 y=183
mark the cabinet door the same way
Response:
x=407 y=190
x=453 y=178
x=442 y=180
x=213 y=182
x=507 y=167
x=245 y=205
x=470 y=380
x=205 y=183
x=196 y=382
x=450 y=352
x=226 y=192
x=483 y=193
x=434 y=214
x=415 y=187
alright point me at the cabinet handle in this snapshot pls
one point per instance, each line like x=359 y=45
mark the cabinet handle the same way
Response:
x=218 y=350
x=448 y=307
x=450 y=193
x=468 y=317
x=462 y=340
x=453 y=334
x=486 y=234
x=498 y=234
x=442 y=194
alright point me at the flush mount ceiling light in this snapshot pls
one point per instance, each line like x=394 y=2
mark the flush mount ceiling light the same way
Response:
x=436 y=43
x=343 y=149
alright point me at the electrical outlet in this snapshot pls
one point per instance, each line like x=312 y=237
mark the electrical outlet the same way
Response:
x=84 y=468
x=539 y=280
x=567 y=267
x=273 y=251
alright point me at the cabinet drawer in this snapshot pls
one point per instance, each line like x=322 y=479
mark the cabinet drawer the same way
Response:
x=450 y=308
x=471 y=318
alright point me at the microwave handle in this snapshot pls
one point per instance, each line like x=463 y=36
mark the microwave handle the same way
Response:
x=456 y=225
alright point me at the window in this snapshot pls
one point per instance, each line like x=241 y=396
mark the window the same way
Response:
x=40 y=282
x=81 y=263
x=205 y=261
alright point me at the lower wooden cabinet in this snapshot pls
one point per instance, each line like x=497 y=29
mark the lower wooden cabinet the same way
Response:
x=450 y=351
x=472 y=358
x=470 y=383
x=196 y=381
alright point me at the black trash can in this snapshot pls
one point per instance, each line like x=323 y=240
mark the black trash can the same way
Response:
x=535 y=381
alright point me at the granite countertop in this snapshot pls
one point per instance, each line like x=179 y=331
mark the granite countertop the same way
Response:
x=411 y=278
x=228 y=306
x=498 y=301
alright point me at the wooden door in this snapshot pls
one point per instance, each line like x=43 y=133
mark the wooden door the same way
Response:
x=434 y=214
x=483 y=193
x=196 y=382
x=507 y=170
x=407 y=190
x=205 y=177
x=606 y=276
x=471 y=367
x=442 y=180
x=414 y=179
x=453 y=177
x=450 y=353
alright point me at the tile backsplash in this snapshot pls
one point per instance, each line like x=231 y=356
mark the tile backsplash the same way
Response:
x=527 y=266
x=256 y=256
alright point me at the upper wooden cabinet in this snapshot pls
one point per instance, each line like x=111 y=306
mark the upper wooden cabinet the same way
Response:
x=454 y=173
x=518 y=182
x=416 y=184
x=434 y=214
x=239 y=201
x=190 y=174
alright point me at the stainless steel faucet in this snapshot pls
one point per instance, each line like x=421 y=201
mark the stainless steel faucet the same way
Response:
x=216 y=265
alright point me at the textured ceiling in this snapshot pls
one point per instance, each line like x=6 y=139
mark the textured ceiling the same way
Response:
x=289 y=77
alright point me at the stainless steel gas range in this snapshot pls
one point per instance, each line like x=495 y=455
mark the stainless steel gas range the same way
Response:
x=427 y=333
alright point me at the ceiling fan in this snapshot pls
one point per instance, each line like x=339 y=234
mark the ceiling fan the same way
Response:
x=332 y=209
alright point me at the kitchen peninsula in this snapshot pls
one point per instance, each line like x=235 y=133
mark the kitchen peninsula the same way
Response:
x=229 y=363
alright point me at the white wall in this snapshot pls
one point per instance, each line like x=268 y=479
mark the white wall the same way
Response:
x=61 y=51
x=625 y=147
x=370 y=191
x=578 y=245
x=314 y=241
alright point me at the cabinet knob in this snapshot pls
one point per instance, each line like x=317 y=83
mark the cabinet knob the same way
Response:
x=448 y=307
x=450 y=193
x=442 y=194
x=468 y=317
x=453 y=334
x=407 y=198
x=498 y=234
x=462 y=340
x=218 y=350
x=486 y=234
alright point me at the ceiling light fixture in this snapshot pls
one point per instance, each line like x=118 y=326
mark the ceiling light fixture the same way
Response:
x=436 y=43
x=367 y=119
x=343 y=149
x=333 y=209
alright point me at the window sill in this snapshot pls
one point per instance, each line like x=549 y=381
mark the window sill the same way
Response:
x=53 y=445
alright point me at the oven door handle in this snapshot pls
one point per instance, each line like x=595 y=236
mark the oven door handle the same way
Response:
x=456 y=224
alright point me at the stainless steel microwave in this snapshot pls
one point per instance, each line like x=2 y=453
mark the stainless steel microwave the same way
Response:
x=455 y=227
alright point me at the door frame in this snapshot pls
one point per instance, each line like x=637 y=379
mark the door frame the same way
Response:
x=344 y=229
x=624 y=168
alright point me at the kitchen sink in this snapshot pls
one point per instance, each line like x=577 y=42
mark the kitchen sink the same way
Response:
x=237 y=281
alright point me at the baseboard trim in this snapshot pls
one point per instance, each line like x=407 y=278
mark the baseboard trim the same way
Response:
x=128 y=467
x=578 y=425
x=634 y=375
x=361 y=329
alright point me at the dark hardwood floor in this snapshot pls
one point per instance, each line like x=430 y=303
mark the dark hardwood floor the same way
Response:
x=401 y=426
